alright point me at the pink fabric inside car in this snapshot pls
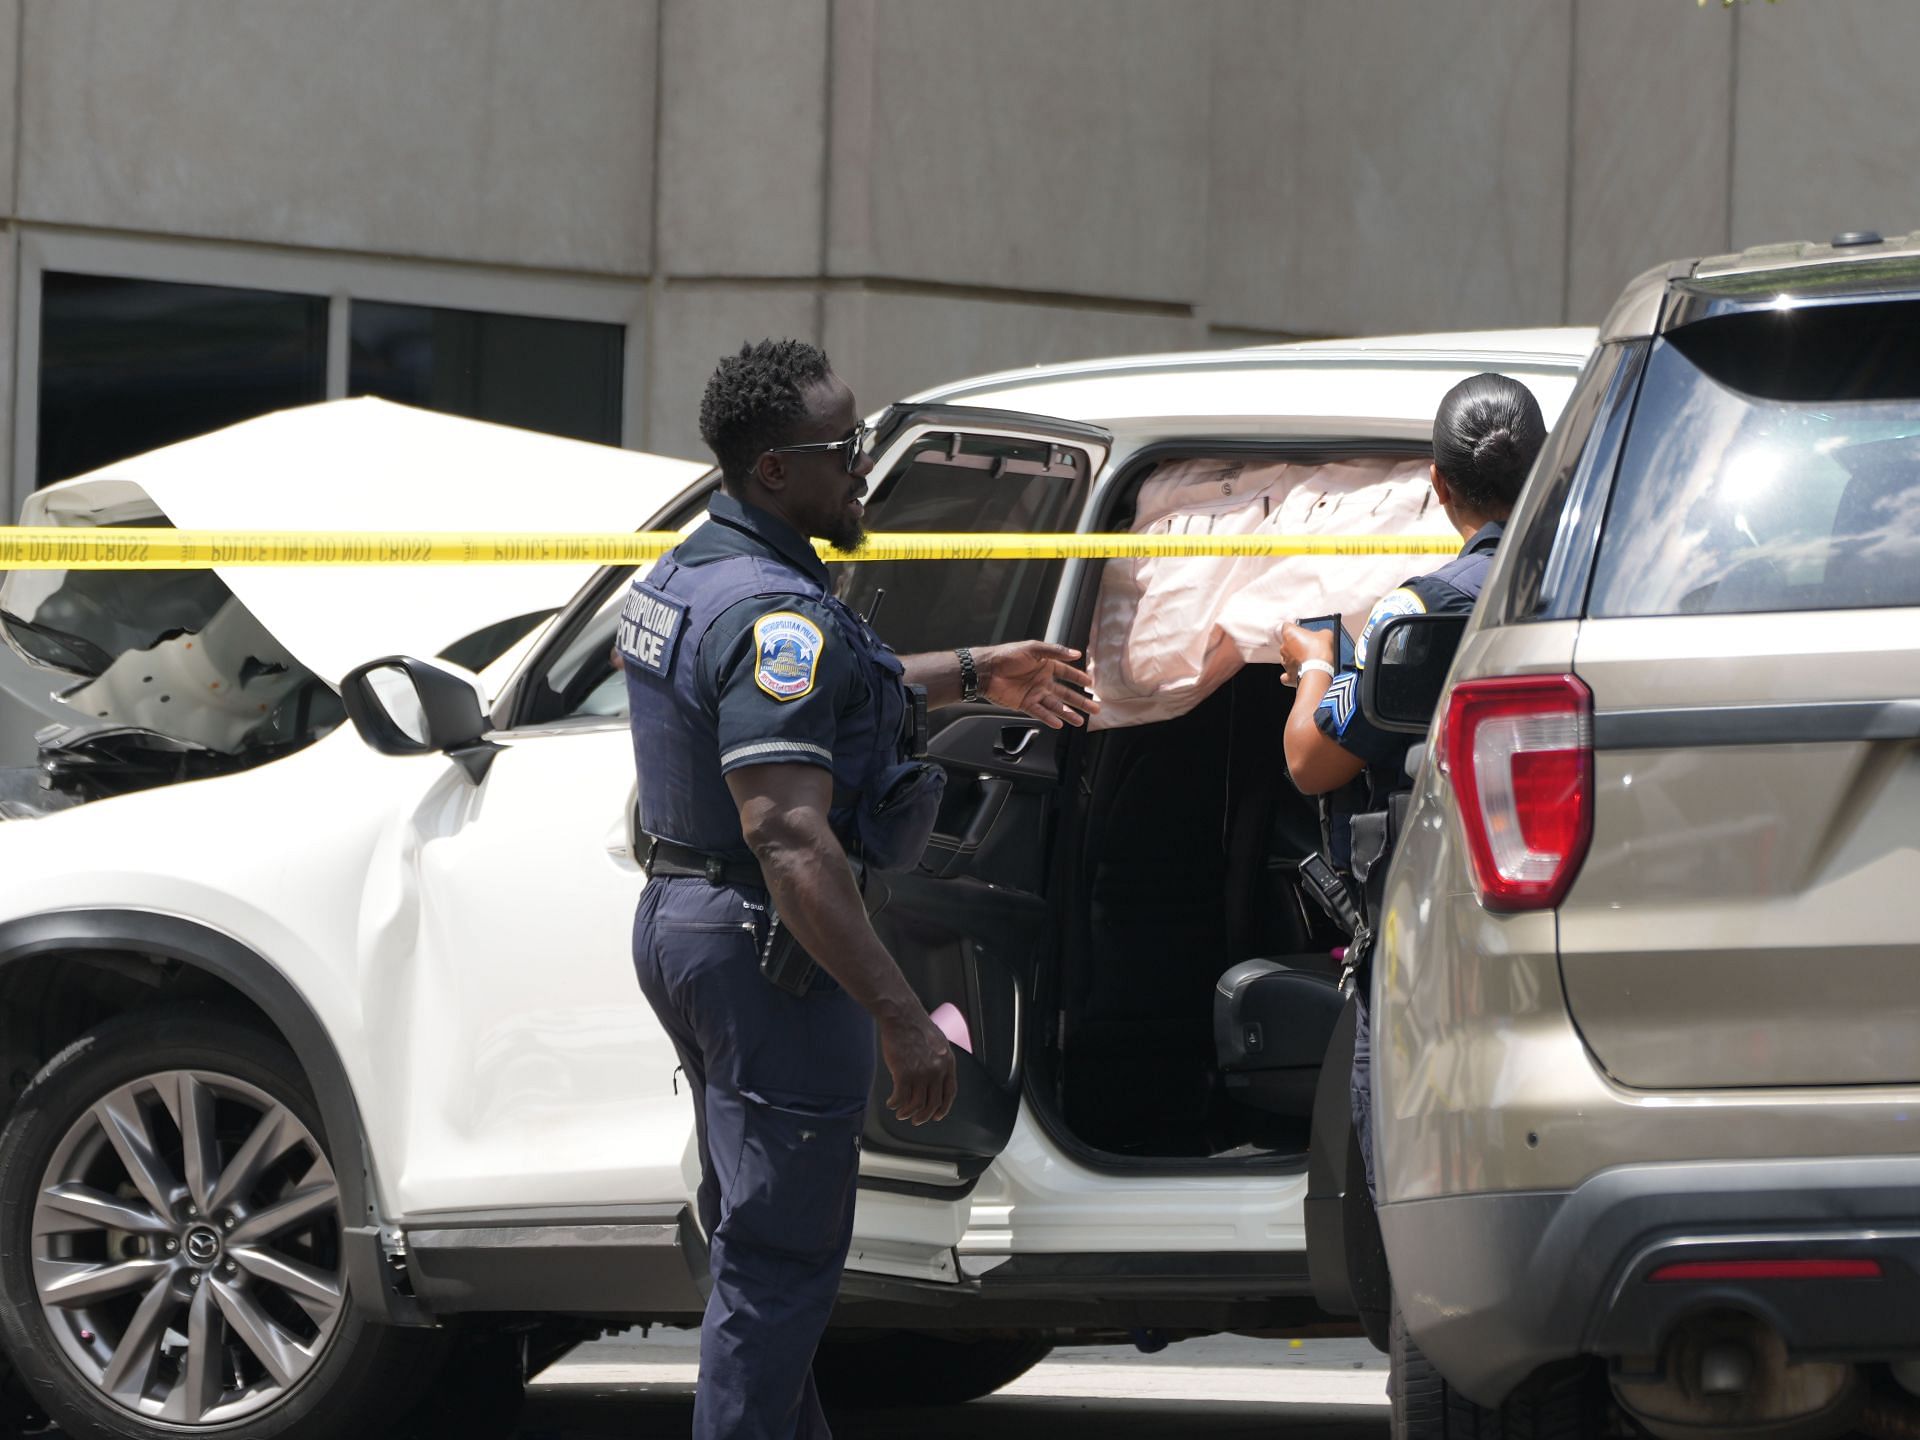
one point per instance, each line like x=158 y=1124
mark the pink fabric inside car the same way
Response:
x=1167 y=633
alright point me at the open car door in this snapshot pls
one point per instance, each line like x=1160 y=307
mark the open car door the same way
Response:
x=971 y=924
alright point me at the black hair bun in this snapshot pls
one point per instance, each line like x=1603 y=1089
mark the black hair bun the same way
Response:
x=1495 y=452
x=1485 y=437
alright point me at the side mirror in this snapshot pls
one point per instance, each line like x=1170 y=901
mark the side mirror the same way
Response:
x=1408 y=660
x=404 y=706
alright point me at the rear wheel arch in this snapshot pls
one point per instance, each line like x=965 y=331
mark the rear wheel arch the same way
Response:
x=215 y=966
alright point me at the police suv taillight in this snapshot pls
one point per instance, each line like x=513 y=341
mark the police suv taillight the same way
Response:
x=1518 y=751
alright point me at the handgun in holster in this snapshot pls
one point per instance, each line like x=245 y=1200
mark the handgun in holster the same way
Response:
x=1329 y=889
x=783 y=959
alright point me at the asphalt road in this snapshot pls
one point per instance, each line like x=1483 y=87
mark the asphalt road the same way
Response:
x=1198 y=1390
x=1221 y=1389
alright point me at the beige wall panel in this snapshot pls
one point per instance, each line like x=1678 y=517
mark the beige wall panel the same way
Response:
x=1652 y=88
x=493 y=130
x=743 y=133
x=1826 y=116
x=9 y=322
x=1430 y=153
x=694 y=327
x=1257 y=121
x=888 y=345
x=1048 y=145
x=9 y=105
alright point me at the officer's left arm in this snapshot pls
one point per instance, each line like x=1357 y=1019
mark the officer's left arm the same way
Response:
x=1315 y=760
x=1329 y=739
x=1034 y=676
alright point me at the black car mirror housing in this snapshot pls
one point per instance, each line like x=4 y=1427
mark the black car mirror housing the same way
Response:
x=1409 y=658
x=401 y=705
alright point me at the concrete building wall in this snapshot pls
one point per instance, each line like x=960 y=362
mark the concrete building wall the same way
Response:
x=476 y=130
x=937 y=187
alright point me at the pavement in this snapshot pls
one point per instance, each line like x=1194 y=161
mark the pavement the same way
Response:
x=1223 y=1388
x=640 y=1389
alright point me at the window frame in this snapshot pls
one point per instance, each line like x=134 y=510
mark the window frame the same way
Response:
x=340 y=279
x=900 y=459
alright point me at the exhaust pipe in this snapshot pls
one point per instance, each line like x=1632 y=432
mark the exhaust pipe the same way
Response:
x=1729 y=1374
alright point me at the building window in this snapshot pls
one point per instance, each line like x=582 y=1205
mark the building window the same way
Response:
x=559 y=376
x=127 y=366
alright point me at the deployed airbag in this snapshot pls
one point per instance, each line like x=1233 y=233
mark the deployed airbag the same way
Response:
x=1167 y=633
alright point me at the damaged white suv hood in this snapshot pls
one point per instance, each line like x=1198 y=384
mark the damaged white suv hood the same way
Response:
x=369 y=465
x=158 y=676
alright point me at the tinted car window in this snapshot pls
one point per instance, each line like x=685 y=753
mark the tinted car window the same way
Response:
x=967 y=484
x=1773 y=464
x=1550 y=540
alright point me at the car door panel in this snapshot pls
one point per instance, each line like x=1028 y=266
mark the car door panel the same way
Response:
x=970 y=926
x=537 y=1075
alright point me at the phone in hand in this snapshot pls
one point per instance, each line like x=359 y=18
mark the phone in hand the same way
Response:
x=1343 y=642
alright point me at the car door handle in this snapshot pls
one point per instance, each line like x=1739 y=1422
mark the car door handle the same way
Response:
x=993 y=799
x=619 y=840
x=1015 y=740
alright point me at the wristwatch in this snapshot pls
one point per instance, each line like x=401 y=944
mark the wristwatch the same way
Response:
x=969 y=676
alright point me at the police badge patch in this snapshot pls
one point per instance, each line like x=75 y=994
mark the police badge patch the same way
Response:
x=786 y=654
x=1396 y=602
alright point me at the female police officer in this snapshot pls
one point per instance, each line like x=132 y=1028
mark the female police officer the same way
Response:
x=1485 y=437
x=770 y=729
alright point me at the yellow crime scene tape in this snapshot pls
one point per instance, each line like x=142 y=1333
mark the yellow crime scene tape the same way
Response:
x=57 y=548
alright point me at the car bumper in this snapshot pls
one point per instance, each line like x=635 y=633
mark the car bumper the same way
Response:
x=1495 y=1286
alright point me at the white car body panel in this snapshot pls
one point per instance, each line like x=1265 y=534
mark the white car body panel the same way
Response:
x=467 y=945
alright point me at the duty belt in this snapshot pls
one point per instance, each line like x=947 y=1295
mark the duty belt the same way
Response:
x=664 y=859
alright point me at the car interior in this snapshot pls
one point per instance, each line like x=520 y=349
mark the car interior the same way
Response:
x=1185 y=929
x=1196 y=986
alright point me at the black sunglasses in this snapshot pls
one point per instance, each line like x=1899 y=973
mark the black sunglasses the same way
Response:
x=854 y=444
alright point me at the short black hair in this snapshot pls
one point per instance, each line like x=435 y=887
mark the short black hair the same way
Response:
x=754 y=401
x=1486 y=436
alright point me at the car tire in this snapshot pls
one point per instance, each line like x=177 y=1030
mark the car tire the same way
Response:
x=1562 y=1403
x=17 y=1413
x=132 y=1312
x=906 y=1367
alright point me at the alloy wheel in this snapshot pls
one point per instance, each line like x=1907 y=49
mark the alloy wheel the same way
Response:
x=186 y=1248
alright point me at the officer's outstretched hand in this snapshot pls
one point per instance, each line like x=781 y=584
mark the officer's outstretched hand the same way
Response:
x=1039 y=678
x=921 y=1063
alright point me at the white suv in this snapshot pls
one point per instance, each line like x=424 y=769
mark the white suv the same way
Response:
x=331 y=1094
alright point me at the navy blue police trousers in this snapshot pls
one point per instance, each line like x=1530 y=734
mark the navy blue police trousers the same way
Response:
x=779 y=1088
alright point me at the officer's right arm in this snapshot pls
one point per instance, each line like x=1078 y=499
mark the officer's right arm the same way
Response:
x=779 y=677
x=783 y=810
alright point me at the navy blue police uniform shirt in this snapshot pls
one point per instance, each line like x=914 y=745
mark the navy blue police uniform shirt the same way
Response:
x=1453 y=589
x=773 y=671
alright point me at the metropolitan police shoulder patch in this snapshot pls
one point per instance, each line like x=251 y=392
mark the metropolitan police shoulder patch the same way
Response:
x=1341 y=700
x=786 y=654
x=1395 y=602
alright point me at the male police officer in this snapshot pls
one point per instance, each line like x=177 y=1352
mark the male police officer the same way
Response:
x=1486 y=436
x=771 y=731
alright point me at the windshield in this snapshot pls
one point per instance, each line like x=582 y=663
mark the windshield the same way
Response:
x=171 y=652
x=1773 y=464
x=79 y=620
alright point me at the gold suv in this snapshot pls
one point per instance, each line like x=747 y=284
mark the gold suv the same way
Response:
x=1647 y=998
